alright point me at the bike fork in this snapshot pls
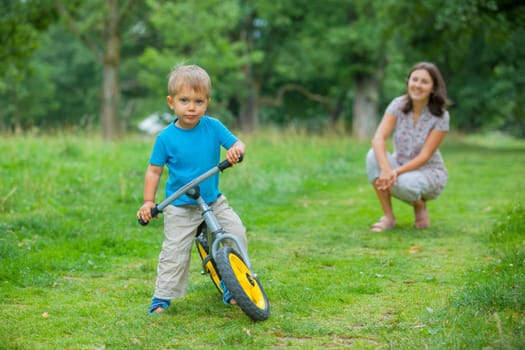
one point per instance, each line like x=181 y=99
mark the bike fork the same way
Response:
x=216 y=230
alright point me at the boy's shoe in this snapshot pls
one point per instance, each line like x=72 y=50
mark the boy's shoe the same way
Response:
x=227 y=297
x=158 y=305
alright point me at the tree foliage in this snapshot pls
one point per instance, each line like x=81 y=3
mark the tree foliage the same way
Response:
x=479 y=46
x=20 y=25
x=316 y=64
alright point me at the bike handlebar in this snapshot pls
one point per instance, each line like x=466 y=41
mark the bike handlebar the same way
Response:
x=225 y=164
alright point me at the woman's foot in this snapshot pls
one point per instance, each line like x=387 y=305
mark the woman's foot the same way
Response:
x=421 y=215
x=383 y=224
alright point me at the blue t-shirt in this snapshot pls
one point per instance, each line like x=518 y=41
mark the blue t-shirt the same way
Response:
x=189 y=153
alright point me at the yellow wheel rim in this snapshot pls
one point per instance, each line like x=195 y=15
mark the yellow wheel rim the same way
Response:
x=248 y=283
x=209 y=268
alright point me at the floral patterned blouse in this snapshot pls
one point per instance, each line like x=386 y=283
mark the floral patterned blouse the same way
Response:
x=409 y=139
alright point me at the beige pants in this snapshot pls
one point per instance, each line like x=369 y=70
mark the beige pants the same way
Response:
x=180 y=228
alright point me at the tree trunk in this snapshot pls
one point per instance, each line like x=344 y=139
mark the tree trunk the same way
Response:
x=17 y=120
x=110 y=85
x=335 y=114
x=248 y=101
x=249 y=109
x=365 y=107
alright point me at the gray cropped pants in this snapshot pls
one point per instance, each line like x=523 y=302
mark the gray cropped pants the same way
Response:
x=180 y=228
x=410 y=187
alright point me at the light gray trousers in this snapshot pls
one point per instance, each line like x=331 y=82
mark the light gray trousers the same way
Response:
x=410 y=187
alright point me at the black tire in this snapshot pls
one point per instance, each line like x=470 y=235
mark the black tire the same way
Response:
x=208 y=264
x=245 y=288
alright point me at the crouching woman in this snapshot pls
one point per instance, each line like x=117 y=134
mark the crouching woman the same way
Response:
x=415 y=173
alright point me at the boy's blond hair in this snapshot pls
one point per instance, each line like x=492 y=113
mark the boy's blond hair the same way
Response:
x=190 y=76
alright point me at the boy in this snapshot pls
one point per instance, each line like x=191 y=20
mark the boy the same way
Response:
x=189 y=146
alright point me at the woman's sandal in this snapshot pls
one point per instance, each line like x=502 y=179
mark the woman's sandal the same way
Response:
x=422 y=222
x=383 y=224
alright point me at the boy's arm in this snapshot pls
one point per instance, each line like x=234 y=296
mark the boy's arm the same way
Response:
x=234 y=153
x=151 y=183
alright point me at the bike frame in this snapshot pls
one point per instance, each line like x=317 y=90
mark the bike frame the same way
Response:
x=218 y=236
x=215 y=230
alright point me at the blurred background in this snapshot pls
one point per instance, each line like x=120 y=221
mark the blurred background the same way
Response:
x=101 y=66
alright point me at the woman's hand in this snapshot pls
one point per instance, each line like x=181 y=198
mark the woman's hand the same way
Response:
x=386 y=180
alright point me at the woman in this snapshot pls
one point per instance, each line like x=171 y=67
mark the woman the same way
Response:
x=415 y=173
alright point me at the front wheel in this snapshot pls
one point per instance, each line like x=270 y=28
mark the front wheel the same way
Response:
x=245 y=288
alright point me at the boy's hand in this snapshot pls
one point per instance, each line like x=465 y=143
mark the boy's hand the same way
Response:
x=144 y=212
x=234 y=154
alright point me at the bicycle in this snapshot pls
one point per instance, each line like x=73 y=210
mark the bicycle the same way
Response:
x=227 y=261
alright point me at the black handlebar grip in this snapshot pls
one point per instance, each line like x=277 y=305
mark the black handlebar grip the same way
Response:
x=225 y=164
x=154 y=212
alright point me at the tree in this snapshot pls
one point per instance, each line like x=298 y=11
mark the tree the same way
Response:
x=318 y=64
x=20 y=24
x=106 y=29
x=204 y=33
x=328 y=57
x=479 y=46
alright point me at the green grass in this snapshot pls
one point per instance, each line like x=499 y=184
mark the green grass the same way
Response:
x=77 y=271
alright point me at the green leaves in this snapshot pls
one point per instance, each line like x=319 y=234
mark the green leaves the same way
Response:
x=255 y=50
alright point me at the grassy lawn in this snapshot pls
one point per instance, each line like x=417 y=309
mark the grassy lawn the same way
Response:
x=78 y=272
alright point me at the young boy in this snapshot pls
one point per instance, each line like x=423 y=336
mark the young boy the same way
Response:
x=189 y=146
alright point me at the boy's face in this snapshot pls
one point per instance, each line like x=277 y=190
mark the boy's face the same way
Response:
x=189 y=106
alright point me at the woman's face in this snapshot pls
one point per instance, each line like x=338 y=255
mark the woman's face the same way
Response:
x=420 y=86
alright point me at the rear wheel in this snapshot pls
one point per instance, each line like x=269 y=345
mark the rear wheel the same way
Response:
x=208 y=264
x=245 y=288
